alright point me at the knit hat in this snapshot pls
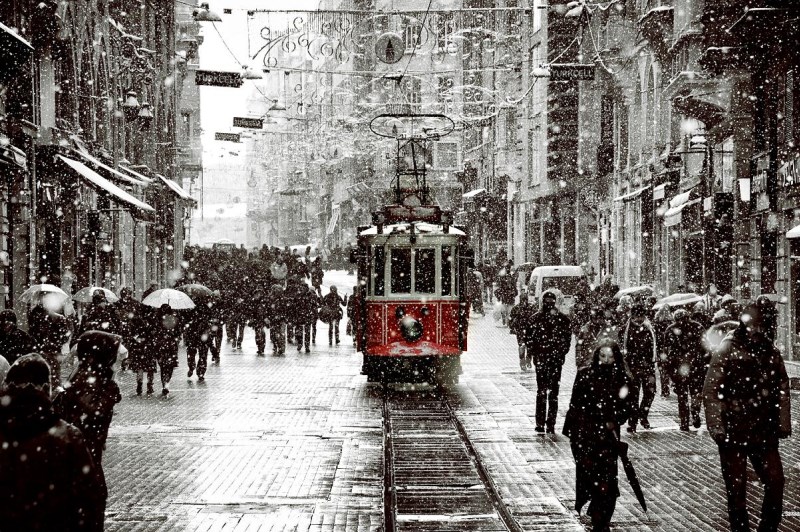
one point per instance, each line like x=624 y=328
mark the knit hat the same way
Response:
x=98 y=348
x=29 y=369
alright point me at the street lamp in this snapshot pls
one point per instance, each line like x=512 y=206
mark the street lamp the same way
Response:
x=145 y=116
x=204 y=14
x=131 y=106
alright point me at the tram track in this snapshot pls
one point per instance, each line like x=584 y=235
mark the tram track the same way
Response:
x=434 y=480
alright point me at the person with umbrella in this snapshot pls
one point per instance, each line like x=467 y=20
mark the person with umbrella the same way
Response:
x=88 y=399
x=199 y=340
x=165 y=333
x=599 y=405
x=683 y=346
x=49 y=331
x=748 y=410
x=133 y=329
x=100 y=316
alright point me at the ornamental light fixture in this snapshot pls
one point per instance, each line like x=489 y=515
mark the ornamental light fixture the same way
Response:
x=131 y=105
x=204 y=14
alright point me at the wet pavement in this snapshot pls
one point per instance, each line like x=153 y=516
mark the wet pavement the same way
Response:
x=296 y=443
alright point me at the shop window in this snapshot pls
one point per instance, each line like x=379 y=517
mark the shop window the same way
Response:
x=425 y=271
x=447 y=270
x=378 y=281
x=401 y=271
x=769 y=262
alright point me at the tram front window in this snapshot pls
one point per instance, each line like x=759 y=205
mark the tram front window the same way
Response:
x=378 y=258
x=401 y=271
x=425 y=271
x=447 y=268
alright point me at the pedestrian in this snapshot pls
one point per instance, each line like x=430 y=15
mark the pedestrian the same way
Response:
x=100 y=316
x=489 y=272
x=475 y=290
x=748 y=411
x=292 y=294
x=639 y=346
x=728 y=310
x=88 y=399
x=599 y=405
x=622 y=313
x=331 y=313
x=49 y=331
x=550 y=341
x=307 y=310
x=352 y=310
x=520 y=324
x=133 y=329
x=276 y=318
x=216 y=321
x=506 y=292
x=14 y=342
x=164 y=337
x=712 y=300
x=237 y=317
x=601 y=323
x=48 y=480
x=683 y=345
x=661 y=320
x=199 y=341
x=700 y=315
x=317 y=274
x=279 y=271
x=259 y=320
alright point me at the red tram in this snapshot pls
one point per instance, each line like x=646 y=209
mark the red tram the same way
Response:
x=412 y=310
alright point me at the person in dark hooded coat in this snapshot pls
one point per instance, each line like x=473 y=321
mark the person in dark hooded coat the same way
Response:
x=165 y=333
x=747 y=402
x=551 y=334
x=49 y=331
x=14 y=342
x=101 y=316
x=685 y=355
x=199 y=340
x=88 y=399
x=48 y=480
x=639 y=347
x=599 y=405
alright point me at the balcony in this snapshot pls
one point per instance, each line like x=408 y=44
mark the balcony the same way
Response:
x=656 y=27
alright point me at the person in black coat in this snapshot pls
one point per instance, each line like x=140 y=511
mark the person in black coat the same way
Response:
x=165 y=333
x=748 y=410
x=551 y=335
x=100 y=316
x=277 y=307
x=598 y=407
x=258 y=319
x=48 y=480
x=331 y=313
x=520 y=324
x=50 y=331
x=684 y=349
x=88 y=399
x=639 y=347
x=199 y=340
x=14 y=342
x=133 y=329
x=306 y=317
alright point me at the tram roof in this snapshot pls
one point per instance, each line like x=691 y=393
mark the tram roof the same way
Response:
x=404 y=228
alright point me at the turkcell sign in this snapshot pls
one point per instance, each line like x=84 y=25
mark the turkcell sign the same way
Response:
x=252 y=123
x=218 y=79
x=229 y=137
x=571 y=72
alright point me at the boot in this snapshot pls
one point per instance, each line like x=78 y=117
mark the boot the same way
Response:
x=149 y=388
x=138 y=387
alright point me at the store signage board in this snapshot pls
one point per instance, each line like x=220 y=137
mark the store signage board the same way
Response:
x=252 y=123
x=218 y=79
x=229 y=137
x=571 y=72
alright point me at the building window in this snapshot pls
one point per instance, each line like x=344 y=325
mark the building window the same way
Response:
x=538 y=7
x=413 y=33
x=186 y=124
x=446 y=156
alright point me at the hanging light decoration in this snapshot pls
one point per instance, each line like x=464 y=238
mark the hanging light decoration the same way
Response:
x=145 y=116
x=131 y=106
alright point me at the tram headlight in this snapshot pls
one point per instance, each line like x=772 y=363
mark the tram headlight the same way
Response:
x=410 y=329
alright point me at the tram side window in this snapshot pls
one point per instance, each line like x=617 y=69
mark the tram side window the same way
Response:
x=425 y=271
x=378 y=282
x=401 y=271
x=447 y=269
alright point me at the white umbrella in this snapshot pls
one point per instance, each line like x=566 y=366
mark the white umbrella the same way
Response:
x=84 y=295
x=678 y=300
x=634 y=290
x=38 y=290
x=176 y=299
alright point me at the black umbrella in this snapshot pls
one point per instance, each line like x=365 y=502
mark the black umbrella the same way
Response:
x=633 y=480
x=198 y=292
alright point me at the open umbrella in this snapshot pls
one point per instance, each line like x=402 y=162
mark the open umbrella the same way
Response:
x=84 y=295
x=678 y=300
x=197 y=292
x=633 y=480
x=36 y=291
x=176 y=299
x=644 y=290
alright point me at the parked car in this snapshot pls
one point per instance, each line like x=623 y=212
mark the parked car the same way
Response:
x=523 y=273
x=565 y=279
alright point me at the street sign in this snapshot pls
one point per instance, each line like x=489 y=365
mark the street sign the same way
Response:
x=229 y=137
x=389 y=48
x=218 y=79
x=252 y=123
x=571 y=72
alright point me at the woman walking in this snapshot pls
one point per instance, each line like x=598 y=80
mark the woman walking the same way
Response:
x=166 y=332
x=331 y=313
x=600 y=404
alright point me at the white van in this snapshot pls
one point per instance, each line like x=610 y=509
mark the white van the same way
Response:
x=565 y=279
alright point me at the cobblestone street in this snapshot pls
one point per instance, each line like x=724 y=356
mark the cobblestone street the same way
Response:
x=295 y=443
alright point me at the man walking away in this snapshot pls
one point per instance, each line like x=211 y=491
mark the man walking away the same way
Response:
x=14 y=342
x=683 y=344
x=639 y=350
x=747 y=404
x=520 y=324
x=550 y=339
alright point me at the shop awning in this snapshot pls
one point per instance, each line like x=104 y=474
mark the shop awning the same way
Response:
x=113 y=173
x=104 y=186
x=632 y=195
x=794 y=232
x=176 y=188
x=472 y=193
x=333 y=220
x=673 y=215
x=17 y=50
x=660 y=192
x=11 y=154
x=137 y=175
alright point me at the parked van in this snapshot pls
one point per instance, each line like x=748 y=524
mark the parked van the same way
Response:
x=566 y=279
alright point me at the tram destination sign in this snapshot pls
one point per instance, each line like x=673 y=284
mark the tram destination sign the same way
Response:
x=229 y=137
x=571 y=72
x=218 y=79
x=252 y=123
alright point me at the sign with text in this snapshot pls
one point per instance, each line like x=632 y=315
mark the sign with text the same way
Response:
x=252 y=123
x=229 y=137
x=571 y=72
x=218 y=79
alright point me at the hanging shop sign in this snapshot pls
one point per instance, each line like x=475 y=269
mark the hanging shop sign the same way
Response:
x=389 y=48
x=218 y=79
x=252 y=123
x=229 y=137
x=571 y=72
